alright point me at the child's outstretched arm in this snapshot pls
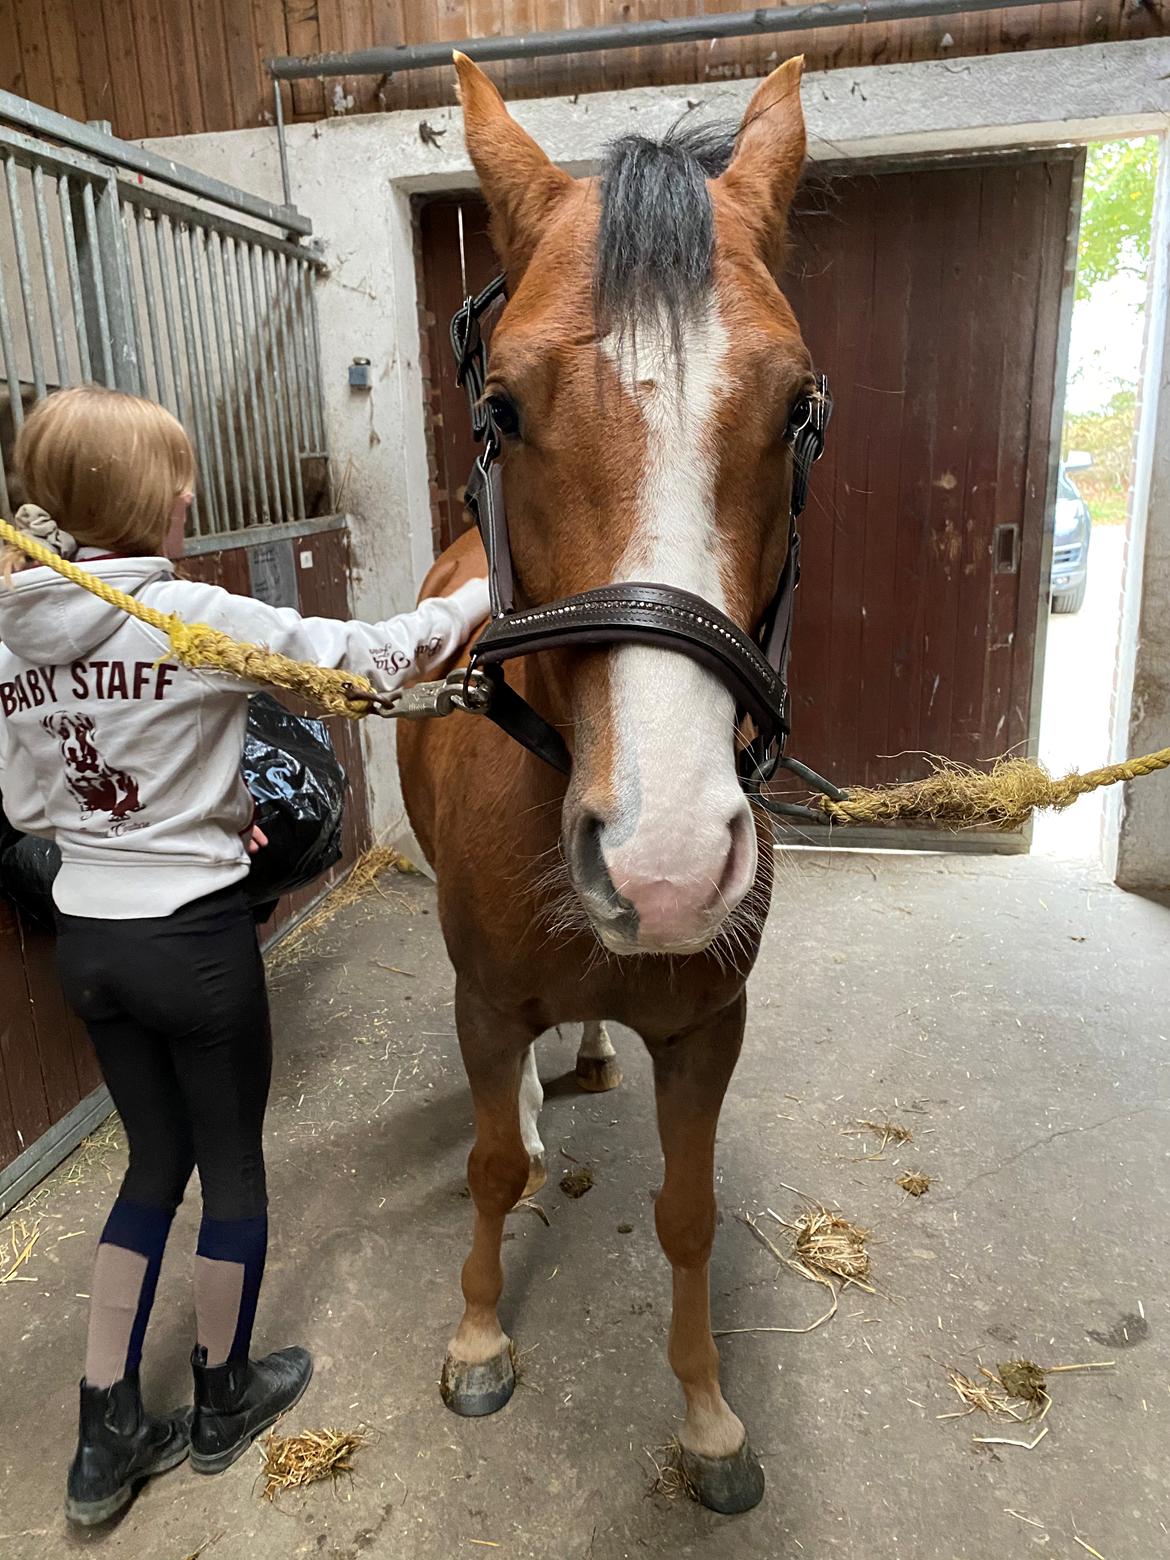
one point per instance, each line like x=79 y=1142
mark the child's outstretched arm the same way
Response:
x=389 y=653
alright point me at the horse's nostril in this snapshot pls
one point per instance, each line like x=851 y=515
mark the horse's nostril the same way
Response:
x=587 y=859
x=740 y=866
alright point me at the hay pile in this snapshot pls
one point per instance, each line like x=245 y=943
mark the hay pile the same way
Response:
x=292 y=1461
x=825 y=1243
x=826 y=1249
x=1016 y=1390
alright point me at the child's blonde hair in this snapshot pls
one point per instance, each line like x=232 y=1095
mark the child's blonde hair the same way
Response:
x=106 y=466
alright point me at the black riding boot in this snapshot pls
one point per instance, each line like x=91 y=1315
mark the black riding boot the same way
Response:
x=235 y=1401
x=119 y=1444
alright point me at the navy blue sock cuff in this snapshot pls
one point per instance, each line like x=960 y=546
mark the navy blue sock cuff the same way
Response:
x=233 y=1240
x=135 y=1227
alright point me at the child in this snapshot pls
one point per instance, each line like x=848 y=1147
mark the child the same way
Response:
x=132 y=765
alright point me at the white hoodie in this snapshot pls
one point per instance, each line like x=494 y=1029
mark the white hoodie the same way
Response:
x=130 y=762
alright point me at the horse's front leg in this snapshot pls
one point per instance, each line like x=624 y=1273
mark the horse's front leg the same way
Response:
x=478 y=1374
x=691 y=1074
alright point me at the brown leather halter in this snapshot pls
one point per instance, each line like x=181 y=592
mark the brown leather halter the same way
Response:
x=754 y=670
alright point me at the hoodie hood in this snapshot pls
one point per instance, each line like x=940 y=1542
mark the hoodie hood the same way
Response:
x=48 y=620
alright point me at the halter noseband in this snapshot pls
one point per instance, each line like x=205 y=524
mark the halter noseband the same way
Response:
x=754 y=670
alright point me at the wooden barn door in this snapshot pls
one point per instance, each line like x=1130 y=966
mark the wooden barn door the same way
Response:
x=936 y=300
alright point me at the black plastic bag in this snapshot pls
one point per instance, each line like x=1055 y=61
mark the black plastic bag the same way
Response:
x=297 y=784
x=27 y=869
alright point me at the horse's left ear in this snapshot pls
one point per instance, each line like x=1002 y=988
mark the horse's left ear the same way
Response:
x=520 y=183
x=769 y=158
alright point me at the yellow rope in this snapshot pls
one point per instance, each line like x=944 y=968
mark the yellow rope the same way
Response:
x=953 y=795
x=1002 y=797
x=199 y=646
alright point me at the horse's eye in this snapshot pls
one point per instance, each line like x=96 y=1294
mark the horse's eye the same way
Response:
x=798 y=417
x=504 y=414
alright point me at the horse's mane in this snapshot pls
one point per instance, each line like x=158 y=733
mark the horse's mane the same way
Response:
x=656 y=241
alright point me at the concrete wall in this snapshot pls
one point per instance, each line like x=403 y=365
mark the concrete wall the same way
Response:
x=1142 y=715
x=354 y=177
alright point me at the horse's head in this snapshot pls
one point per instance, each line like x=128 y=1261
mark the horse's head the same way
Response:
x=643 y=375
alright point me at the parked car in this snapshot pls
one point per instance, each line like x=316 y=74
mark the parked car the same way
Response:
x=1070 y=545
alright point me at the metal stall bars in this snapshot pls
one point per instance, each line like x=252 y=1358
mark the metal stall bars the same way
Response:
x=122 y=267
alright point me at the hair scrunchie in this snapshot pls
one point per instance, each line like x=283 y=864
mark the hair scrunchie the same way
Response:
x=44 y=529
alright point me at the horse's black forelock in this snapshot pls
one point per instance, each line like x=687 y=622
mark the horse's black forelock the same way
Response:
x=656 y=239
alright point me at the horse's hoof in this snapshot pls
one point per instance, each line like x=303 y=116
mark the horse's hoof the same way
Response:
x=475 y=1390
x=727 y=1484
x=537 y=1176
x=598 y=1074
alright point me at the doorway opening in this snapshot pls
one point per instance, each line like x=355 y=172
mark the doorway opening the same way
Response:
x=1094 y=491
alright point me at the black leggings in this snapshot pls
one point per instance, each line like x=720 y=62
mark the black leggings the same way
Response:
x=177 y=1009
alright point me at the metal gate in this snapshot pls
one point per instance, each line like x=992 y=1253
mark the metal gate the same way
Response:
x=121 y=267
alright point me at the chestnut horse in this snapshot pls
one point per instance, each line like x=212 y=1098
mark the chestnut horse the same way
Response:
x=642 y=377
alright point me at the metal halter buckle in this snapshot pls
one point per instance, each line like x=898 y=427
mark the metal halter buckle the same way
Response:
x=466 y=688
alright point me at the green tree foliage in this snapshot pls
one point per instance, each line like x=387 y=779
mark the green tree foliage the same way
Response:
x=1117 y=211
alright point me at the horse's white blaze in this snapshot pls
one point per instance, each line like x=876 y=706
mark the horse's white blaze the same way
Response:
x=674 y=769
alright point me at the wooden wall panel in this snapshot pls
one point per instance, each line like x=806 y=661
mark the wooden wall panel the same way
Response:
x=162 y=67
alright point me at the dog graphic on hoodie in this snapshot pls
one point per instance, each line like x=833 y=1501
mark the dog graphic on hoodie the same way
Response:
x=96 y=785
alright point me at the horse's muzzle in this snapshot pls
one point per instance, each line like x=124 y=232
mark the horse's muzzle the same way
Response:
x=638 y=906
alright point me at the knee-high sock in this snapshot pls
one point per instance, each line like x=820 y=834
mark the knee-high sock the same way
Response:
x=229 y=1267
x=125 y=1277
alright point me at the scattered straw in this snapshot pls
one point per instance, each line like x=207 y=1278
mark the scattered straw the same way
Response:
x=203 y=1547
x=1020 y=1517
x=22 y=1240
x=914 y=1184
x=1062 y=1370
x=292 y=1461
x=1007 y=1440
x=527 y=1202
x=1016 y=1390
x=888 y=1131
x=981 y=1397
x=93 y=1152
x=670 y=1477
x=1088 y=1548
x=367 y=869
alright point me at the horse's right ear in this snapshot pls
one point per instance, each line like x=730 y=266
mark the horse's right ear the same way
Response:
x=769 y=159
x=520 y=184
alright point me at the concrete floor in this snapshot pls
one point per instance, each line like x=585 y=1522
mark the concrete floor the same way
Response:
x=1012 y=1013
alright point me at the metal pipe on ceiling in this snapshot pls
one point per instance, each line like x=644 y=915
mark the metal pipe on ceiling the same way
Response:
x=628 y=35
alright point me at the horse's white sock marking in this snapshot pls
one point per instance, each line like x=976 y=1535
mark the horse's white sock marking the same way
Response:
x=531 y=1099
x=596 y=1046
